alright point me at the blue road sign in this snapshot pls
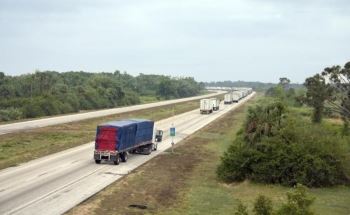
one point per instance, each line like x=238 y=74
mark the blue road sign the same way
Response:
x=172 y=132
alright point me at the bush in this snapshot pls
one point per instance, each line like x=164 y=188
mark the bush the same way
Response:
x=33 y=109
x=10 y=114
x=241 y=209
x=263 y=206
x=298 y=203
x=287 y=150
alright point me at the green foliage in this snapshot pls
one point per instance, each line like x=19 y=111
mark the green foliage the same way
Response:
x=241 y=209
x=339 y=83
x=50 y=93
x=10 y=114
x=287 y=93
x=316 y=95
x=279 y=146
x=263 y=206
x=263 y=120
x=298 y=202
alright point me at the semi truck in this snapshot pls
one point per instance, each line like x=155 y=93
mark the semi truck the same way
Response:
x=205 y=106
x=116 y=139
x=215 y=104
x=235 y=97
x=228 y=98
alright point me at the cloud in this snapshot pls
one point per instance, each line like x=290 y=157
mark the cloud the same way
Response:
x=235 y=39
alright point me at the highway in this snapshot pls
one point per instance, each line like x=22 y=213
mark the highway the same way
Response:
x=56 y=183
x=32 y=124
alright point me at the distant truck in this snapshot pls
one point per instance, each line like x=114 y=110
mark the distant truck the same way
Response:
x=215 y=104
x=236 y=96
x=116 y=139
x=228 y=98
x=205 y=106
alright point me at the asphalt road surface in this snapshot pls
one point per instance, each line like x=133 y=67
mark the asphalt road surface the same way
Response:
x=56 y=183
x=32 y=124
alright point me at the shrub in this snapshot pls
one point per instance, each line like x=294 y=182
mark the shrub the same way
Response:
x=298 y=202
x=33 y=109
x=263 y=206
x=290 y=150
x=10 y=114
x=241 y=209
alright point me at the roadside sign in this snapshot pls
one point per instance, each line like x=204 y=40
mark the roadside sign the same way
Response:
x=172 y=131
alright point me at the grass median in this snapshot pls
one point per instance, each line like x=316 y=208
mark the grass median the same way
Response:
x=24 y=146
x=185 y=182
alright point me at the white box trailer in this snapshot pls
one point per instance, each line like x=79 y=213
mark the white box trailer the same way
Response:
x=228 y=98
x=235 y=97
x=215 y=103
x=205 y=106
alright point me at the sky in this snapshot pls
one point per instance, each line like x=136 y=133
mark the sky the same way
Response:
x=251 y=40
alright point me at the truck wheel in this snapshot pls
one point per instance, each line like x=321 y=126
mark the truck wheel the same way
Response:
x=98 y=161
x=149 y=149
x=124 y=156
x=116 y=162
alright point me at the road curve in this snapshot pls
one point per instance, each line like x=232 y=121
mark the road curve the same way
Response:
x=32 y=124
x=58 y=182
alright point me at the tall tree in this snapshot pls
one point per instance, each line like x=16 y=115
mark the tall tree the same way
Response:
x=317 y=93
x=339 y=81
x=284 y=82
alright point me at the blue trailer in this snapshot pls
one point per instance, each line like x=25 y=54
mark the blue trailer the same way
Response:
x=116 y=139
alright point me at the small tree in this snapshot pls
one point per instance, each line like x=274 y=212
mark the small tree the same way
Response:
x=241 y=209
x=298 y=202
x=284 y=82
x=316 y=95
x=263 y=206
x=263 y=120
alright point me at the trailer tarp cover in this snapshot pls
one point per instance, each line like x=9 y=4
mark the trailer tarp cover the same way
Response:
x=124 y=135
x=144 y=132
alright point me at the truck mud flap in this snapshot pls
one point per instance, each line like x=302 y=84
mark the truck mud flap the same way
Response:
x=97 y=156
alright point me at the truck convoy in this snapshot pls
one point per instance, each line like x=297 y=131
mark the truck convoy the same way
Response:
x=116 y=139
x=237 y=94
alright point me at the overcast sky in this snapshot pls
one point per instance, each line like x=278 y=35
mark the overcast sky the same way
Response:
x=252 y=40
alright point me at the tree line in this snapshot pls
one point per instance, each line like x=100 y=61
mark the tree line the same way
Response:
x=49 y=92
x=257 y=86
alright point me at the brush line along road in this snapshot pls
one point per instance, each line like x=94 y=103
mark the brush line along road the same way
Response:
x=56 y=183
x=32 y=124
